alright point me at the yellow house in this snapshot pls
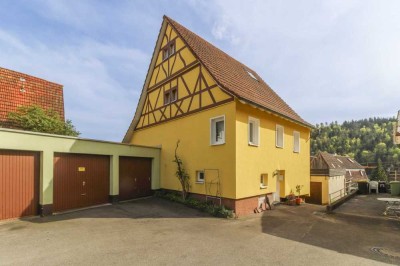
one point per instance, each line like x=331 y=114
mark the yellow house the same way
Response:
x=239 y=140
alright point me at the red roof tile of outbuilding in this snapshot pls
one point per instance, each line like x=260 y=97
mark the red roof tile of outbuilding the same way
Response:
x=18 y=89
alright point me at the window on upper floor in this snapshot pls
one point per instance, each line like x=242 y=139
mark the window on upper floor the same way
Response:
x=279 y=136
x=168 y=50
x=170 y=96
x=254 y=131
x=217 y=130
x=296 y=141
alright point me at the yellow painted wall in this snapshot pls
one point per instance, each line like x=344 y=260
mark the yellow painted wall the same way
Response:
x=195 y=150
x=252 y=161
x=325 y=186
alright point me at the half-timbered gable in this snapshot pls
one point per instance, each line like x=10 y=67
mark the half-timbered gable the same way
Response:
x=179 y=84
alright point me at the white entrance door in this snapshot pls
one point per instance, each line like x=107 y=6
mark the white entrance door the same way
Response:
x=278 y=189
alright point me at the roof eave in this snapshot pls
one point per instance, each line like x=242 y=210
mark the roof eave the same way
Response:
x=275 y=112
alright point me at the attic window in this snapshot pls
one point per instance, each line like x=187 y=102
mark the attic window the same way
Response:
x=251 y=74
x=333 y=165
x=168 y=50
x=339 y=160
x=350 y=160
x=170 y=96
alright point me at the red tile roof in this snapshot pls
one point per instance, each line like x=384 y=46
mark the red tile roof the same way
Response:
x=18 y=89
x=233 y=76
x=356 y=176
x=341 y=162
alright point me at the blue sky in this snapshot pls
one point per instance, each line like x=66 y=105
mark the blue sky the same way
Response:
x=329 y=60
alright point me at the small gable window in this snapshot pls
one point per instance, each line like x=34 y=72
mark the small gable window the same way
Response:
x=170 y=96
x=296 y=141
x=174 y=95
x=254 y=131
x=168 y=50
x=218 y=130
x=279 y=136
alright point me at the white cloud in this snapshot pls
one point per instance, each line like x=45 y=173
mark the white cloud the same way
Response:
x=95 y=100
x=320 y=56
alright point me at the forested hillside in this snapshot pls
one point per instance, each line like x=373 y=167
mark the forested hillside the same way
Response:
x=365 y=140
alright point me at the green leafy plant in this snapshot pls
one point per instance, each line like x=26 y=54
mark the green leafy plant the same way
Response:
x=298 y=189
x=35 y=118
x=181 y=173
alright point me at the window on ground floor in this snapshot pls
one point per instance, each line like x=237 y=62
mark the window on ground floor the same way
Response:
x=264 y=181
x=200 y=176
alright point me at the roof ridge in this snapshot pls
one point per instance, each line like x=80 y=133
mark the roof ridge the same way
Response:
x=232 y=75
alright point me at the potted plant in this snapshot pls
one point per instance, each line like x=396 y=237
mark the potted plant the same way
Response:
x=298 y=190
x=291 y=198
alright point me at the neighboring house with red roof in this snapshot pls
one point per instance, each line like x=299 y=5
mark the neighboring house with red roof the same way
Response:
x=18 y=89
x=332 y=176
x=239 y=140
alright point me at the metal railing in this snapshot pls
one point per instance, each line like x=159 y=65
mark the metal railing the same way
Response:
x=334 y=196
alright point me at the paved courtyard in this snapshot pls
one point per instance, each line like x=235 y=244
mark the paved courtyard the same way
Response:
x=156 y=232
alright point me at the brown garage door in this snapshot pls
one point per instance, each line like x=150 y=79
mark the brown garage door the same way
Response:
x=80 y=180
x=315 y=193
x=134 y=177
x=19 y=183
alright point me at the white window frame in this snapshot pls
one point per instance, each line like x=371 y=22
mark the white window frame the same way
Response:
x=263 y=182
x=283 y=136
x=213 y=128
x=256 y=131
x=296 y=134
x=198 y=179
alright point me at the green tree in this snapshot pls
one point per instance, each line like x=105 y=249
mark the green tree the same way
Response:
x=379 y=174
x=366 y=140
x=35 y=118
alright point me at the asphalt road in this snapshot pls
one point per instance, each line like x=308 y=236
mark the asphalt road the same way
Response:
x=156 y=232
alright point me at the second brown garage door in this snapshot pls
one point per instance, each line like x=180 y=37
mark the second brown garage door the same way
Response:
x=134 y=177
x=80 y=180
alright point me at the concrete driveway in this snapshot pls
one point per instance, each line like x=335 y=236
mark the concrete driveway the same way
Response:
x=156 y=232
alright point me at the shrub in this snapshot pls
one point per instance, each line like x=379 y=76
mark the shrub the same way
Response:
x=208 y=207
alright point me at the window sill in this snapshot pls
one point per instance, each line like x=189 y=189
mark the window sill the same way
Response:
x=253 y=144
x=279 y=147
x=199 y=182
x=217 y=144
x=263 y=187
